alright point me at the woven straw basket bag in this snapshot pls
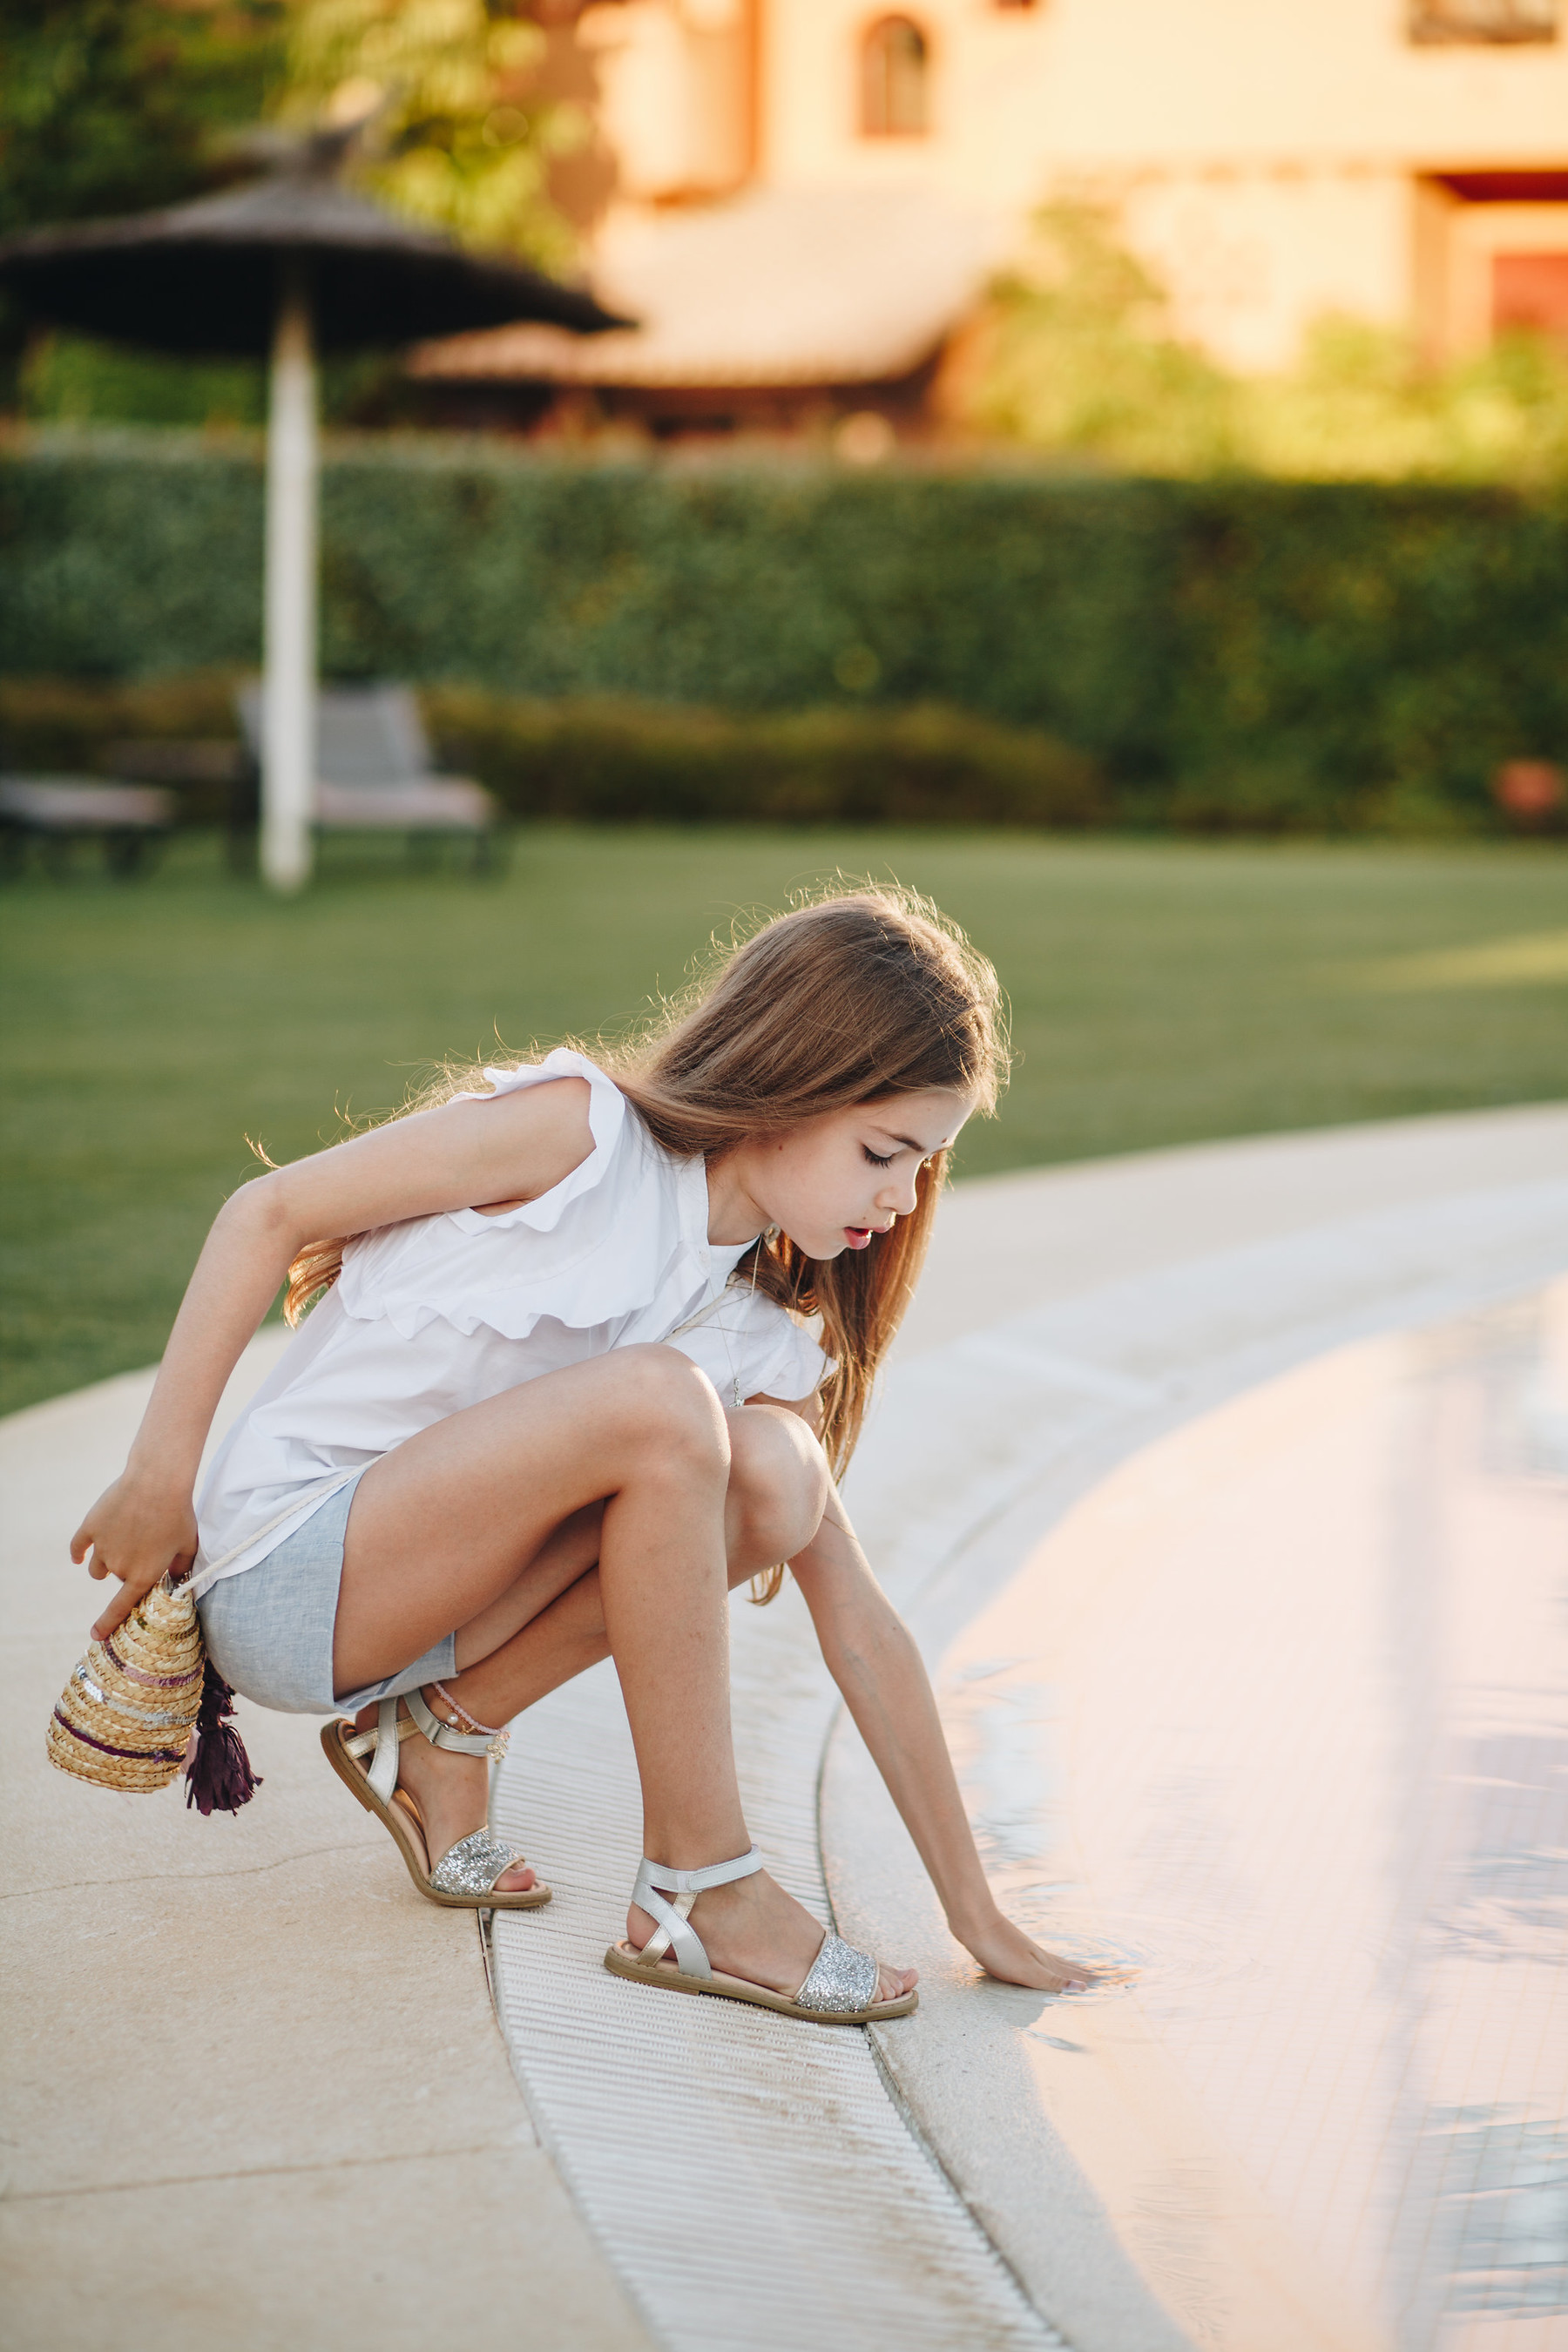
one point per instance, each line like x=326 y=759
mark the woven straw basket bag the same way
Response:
x=126 y=1716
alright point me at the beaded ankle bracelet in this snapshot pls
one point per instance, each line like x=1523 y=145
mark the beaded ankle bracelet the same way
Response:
x=497 y=1733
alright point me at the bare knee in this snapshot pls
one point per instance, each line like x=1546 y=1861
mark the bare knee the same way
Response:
x=671 y=1415
x=778 y=1486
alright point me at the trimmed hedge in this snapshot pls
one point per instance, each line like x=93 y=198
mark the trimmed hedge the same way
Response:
x=610 y=762
x=615 y=763
x=1236 y=652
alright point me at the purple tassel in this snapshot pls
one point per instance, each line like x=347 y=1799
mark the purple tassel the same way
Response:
x=218 y=1778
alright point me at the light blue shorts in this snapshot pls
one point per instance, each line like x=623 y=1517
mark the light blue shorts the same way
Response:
x=269 y=1631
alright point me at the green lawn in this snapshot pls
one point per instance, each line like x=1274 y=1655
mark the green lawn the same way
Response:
x=1160 y=993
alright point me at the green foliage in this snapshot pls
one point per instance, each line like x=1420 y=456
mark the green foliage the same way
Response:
x=109 y=106
x=1369 y=653
x=76 y=380
x=113 y=106
x=1076 y=354
x=1286 y=655
x=462 y=137
x=1361 y=406
x=611 y=762
x=67 y=722
x=81 y=542
x=1044 y=605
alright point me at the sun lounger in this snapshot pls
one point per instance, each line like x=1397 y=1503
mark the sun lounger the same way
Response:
x=214 y=778
x=374 y=773
x=131 y=821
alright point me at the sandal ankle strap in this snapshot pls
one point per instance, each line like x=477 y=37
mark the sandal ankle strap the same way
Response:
x=698 y=1882
x=381 y=1745
x=391 y=1729
x=441 y=1735
x=654 y=1881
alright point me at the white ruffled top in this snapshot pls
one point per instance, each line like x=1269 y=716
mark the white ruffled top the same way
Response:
x=438 y=1314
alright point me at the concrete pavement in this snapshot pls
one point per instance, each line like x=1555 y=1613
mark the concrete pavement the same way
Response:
x=259 y=2016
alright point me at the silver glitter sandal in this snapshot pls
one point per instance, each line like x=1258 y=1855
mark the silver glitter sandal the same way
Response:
x=841 y=1985
x=465 y=1877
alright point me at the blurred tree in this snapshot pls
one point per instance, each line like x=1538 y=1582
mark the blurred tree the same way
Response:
x=109 y=106
x=459 y=131
x=1361 y=405
x=1076 y=353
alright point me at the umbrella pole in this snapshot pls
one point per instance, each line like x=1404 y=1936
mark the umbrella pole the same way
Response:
x=288 y=732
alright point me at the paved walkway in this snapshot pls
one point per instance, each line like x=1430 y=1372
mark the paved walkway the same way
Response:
x=258 y=2014
x=255 y=2095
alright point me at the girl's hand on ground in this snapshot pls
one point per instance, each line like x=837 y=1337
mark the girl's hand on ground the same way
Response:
x=137 y=1533
x=1005 y=1952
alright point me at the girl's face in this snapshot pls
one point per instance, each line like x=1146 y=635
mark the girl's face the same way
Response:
x=834 y=1182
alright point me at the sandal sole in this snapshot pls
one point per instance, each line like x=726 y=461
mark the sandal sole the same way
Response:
x=354 y=1779
x=621 y=1963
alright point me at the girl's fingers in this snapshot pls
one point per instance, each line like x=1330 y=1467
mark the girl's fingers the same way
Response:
x=118 y=1611
x=132 y=1589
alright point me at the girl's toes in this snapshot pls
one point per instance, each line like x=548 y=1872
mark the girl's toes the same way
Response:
x=521 y=1879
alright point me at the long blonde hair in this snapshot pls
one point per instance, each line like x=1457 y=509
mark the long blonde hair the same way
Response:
x=851 y=996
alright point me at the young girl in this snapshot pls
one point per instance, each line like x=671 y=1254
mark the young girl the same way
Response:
x=556 y=1395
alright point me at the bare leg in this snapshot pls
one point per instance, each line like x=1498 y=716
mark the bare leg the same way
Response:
x=441 y=1528
x=550 y=1622
x=448 y=1524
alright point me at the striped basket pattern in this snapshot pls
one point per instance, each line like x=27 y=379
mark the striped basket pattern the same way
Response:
x=125 y=1717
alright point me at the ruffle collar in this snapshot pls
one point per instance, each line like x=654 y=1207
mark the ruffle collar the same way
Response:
x=626 y=1232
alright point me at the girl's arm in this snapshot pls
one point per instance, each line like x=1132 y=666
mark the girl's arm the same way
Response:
x=873 y=1659
x=465 y=1154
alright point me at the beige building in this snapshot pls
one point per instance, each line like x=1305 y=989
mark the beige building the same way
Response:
x=1402 y=161
x=1278 y=158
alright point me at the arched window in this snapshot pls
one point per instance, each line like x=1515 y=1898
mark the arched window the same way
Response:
x=893 y=66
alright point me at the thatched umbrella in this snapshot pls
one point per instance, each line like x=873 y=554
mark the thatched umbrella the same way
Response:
x=289 y=263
